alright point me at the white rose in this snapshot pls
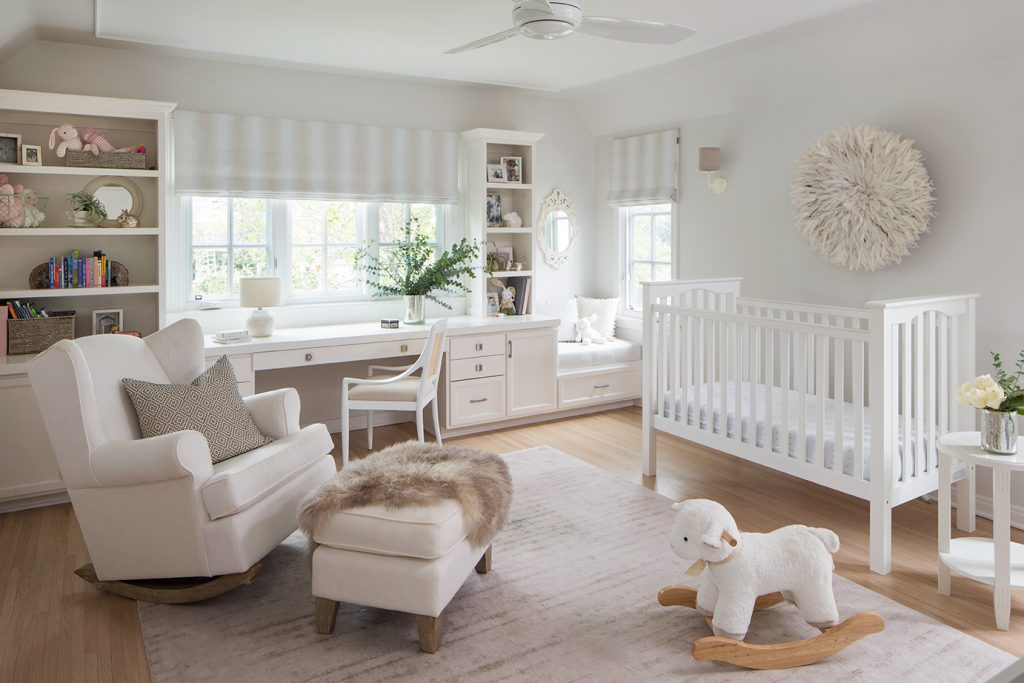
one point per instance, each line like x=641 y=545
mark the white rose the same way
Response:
x=994 y=397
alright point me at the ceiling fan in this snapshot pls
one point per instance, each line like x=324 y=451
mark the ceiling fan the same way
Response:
x=552 y=19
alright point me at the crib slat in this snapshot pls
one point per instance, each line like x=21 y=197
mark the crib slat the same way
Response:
x=919 y=459
x=769 y=384
x=820 y=391
x=753 y=336
x=954 y=354
x=674 y=362
x=857 y=377
x=838 y=404
x=685 y=367
x=906 y=396
x=786 y=339
x=723 y=377
x=931 y=456
x=739 y=345
x=802 y=341
x=943 y=363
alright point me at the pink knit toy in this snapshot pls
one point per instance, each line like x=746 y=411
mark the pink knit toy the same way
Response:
x=69 y=139
x=97 y=142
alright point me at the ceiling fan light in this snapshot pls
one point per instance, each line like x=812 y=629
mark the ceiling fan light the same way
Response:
x=547 y=29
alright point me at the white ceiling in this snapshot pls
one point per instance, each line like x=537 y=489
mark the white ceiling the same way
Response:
x=409 y=37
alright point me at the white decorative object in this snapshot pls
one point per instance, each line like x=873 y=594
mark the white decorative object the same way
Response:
x=855 y=439
x=585 y=332
x=568 y=316
x=556 y=228
x=862 y=197
x=260 y=293
x=605 y=310
x=512 y=220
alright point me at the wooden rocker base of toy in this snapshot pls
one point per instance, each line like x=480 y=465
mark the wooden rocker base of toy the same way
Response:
x=177 y=591
x=776 y=655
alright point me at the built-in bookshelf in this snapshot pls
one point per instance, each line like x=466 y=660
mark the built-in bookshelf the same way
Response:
x=486 y=146
x=33 y=115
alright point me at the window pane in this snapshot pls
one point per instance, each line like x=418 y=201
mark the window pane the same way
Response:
x=307 y=270
x=249 y=221
x=210 y=272
x=341 y=272
x=641 y=273
x=663 y=238
x=426 y=214
x=341 y=222
x=249 y=262
x=660 y=208
x=392 y=222
x=307 y=222
x=209 y=220
x=662 y=271
x=642 y=237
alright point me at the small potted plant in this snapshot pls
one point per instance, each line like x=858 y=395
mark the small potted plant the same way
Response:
x=410 y=270
x=999 y=401
x=85 y=209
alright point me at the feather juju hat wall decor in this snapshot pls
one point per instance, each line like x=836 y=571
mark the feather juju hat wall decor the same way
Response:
x=862 y=197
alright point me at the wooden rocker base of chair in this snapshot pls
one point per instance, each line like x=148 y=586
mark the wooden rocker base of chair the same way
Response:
x=175 y=591
x=776 y=655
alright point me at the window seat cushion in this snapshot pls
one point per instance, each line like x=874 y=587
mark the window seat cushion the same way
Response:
x=581 y=356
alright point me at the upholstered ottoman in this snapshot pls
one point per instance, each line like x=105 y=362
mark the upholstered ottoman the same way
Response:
x=402 y=529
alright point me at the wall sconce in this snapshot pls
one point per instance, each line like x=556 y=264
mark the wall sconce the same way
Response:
x=708 y=159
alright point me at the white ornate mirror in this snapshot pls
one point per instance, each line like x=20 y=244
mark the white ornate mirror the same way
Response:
x=556 y=228
x=117 y=195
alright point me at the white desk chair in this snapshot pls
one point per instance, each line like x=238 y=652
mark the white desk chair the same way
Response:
x=398 y=392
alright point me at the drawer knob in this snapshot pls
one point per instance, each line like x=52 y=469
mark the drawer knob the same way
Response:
x=309 y=357
x=403 y=348
x=601 y=386
x=479 y=367
x=479 y=347
x=477 y=400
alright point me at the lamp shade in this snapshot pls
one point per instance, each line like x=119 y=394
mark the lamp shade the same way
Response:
x=259 y=292
x=708 y=159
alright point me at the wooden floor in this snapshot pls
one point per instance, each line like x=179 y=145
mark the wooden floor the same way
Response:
x=55 y=627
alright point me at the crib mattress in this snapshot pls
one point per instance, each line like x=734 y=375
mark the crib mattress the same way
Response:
x=760 y=428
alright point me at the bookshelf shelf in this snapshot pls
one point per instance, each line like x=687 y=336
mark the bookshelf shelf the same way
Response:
x=77 y=170
x=509 y=231
x=77 y=232
x=512 y=273
x=509 y=186
x=75 y=292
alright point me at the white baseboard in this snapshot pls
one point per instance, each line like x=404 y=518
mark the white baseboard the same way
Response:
x=983 y=506
x=27 y=496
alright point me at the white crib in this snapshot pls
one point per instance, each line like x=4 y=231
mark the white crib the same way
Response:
x=744 y=376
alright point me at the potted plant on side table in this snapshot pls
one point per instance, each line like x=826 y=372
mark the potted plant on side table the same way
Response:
x=410 y=269
x=999 y=400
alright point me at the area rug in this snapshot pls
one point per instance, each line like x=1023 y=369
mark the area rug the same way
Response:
x=571 y=597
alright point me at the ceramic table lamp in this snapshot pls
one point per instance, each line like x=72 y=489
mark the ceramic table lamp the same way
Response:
x=260 y=293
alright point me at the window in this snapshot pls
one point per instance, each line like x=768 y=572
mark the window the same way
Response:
x=311 y=244
x=647 y=249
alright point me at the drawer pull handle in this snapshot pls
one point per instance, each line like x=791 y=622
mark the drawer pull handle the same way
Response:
x=403 y=348
x=509 y=348
x=479 y=367
x=479 y=347
x=477 y=400
x=309 y=356
x=601 y=386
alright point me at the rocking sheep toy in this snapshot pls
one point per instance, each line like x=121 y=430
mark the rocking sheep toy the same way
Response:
x=745 y=572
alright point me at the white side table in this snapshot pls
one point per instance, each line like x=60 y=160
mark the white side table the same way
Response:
x=994 y=561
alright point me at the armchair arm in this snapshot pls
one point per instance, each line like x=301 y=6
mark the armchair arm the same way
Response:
x=387 y=368
x=276 y=413
x=158 y=458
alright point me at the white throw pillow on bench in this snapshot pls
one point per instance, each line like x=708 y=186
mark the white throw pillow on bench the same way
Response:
x=567 y=325
x=606 y=310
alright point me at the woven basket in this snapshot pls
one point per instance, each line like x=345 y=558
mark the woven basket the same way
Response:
x=106 y=159
x=35 y=335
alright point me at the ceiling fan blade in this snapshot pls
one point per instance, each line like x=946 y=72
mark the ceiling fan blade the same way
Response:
x=484 y=42
x=635 y=30
x=542 y=5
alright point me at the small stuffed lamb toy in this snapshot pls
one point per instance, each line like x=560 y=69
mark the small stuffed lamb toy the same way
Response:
x=796 y=560
x=585 y=332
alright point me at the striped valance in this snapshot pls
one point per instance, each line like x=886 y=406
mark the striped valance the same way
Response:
x=643 y=169
x=254 y=156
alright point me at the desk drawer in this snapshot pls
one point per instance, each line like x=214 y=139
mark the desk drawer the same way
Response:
x=242 y=365
x=476 y=346
x=473 y=401
x=270 y=360
x=471 y=368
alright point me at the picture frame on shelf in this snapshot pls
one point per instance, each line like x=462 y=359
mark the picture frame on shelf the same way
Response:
x=492 y=303
x=31 y=155
x=107 y=321
x=506 y=255
x=493 y=210
x=10 y=145
x=513 y=169
x=496 y=173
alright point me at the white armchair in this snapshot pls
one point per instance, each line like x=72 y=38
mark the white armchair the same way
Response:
x=158 y=507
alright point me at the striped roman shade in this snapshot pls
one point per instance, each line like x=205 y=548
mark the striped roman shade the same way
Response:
x=228 y=154
x=643 y=169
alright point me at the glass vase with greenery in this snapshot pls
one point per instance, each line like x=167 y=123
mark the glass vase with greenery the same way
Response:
x=999 y=399
x=410 y=268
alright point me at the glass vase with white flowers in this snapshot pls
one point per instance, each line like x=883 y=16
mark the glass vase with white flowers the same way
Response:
x=999 y=399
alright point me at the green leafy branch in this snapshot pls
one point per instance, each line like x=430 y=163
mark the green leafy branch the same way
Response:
x=1014 y=401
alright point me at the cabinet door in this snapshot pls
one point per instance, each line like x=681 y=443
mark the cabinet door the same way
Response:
x=531 y=372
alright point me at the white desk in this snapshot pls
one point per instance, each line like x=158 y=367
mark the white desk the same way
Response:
x=495 y=368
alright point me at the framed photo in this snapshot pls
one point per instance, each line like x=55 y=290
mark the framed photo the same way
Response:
x=108 y=321
x=493 y=210
x=492 y=303
x=31 y=155
x=10 y=143
x=505 y=256
x=513 y=169
x=495 y=173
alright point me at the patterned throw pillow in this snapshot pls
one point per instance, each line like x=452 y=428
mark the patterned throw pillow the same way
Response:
x=211 y=405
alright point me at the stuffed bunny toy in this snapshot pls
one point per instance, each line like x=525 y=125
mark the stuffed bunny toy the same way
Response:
x=97 y=142
x=585 y=332
x=70 y=140
x=738 y=567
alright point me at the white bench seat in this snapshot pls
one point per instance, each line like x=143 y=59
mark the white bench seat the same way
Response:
x=595 y=374
x=579 y=356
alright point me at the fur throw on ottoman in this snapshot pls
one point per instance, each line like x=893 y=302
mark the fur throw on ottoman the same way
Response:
x=418 y=474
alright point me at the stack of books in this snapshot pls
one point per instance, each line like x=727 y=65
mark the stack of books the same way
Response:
x=25 y=311
x=73 y=271
x=231 y=336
